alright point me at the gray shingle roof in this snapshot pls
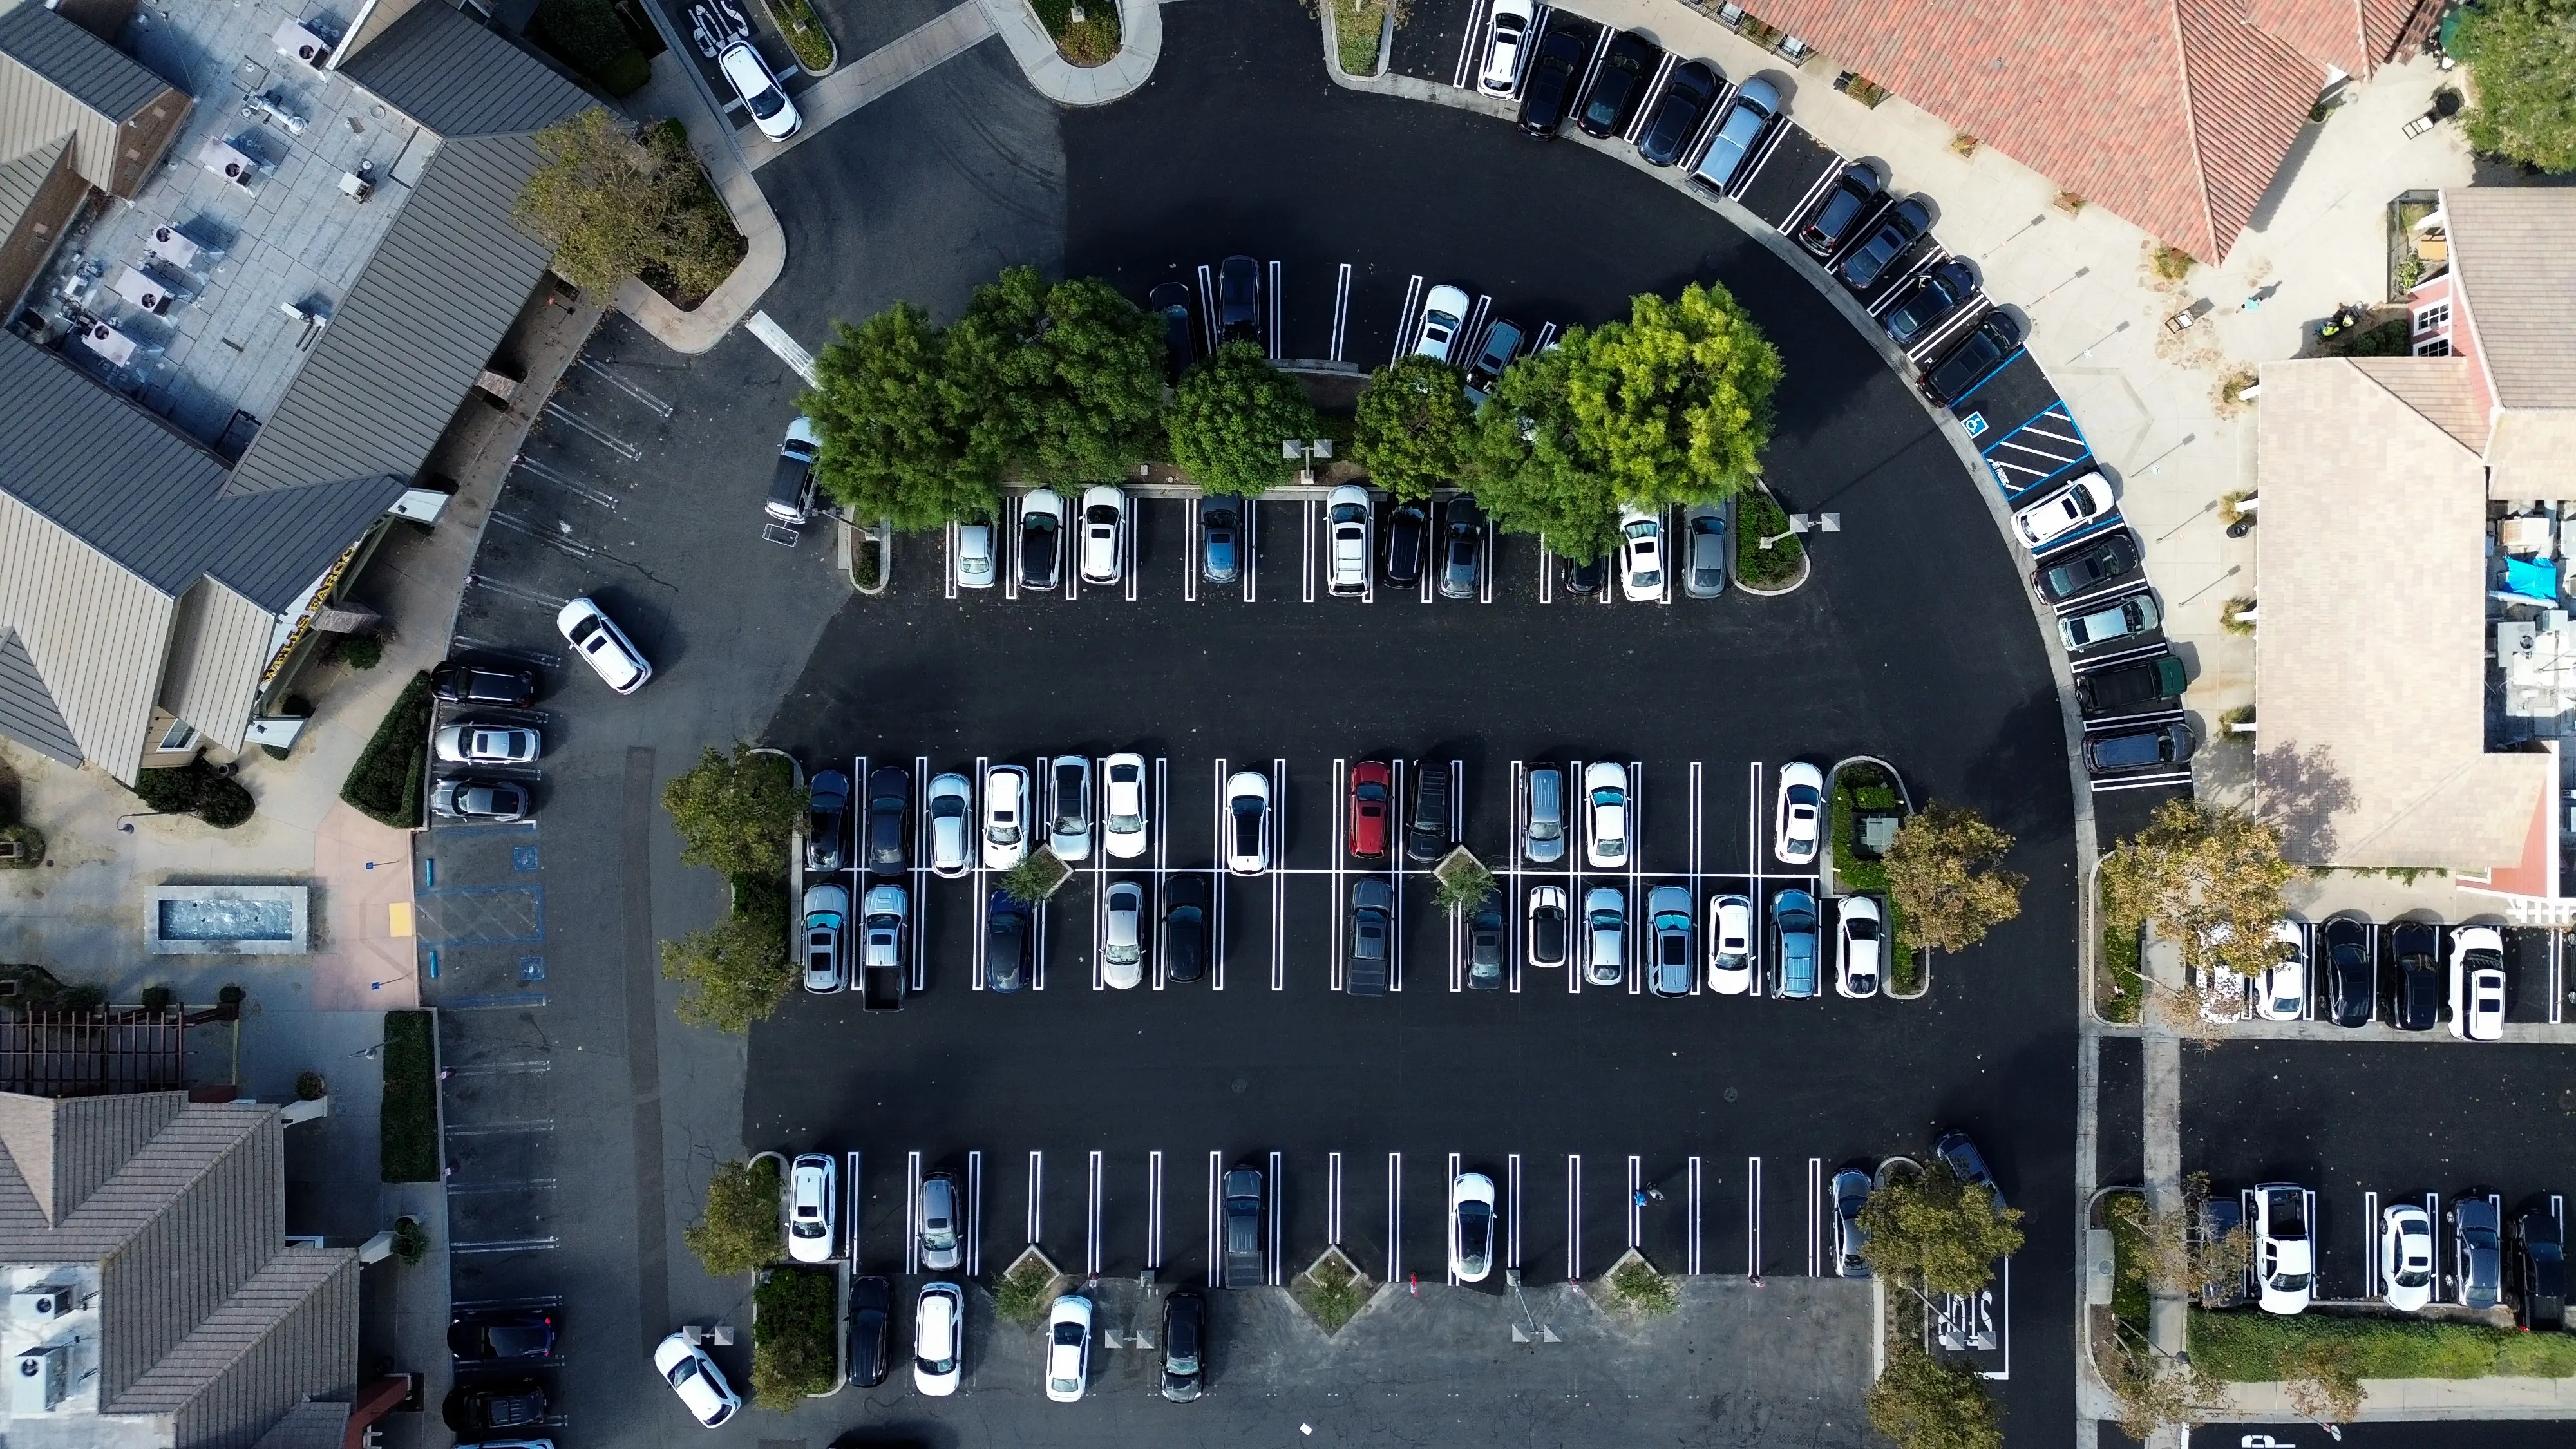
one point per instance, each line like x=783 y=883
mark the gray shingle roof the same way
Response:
x=28 y=713
x=2510 y=255
x=316 y=1424
x=289 y=1330
x=88 y=69
x=460 y=78
x=63 y=1148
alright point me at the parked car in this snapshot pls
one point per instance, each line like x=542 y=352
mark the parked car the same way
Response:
x=2405 y=1257
x=943 y=1243
x=884 y=925
x=1069 y=823
x=1041 y=539
x=938 y=1339
x=2103 y=691
x=1185 y=1330
x=1605 y=815
x=1068 y=1359
x=1793 y=943
x=603 y=646
x=871 y=1351
x=1408 y=531
x=1671 y=963
x=1185 y=929
x=1122 y=952
x=514 y=1402
x=1238 y=300
x=1555 y=67
x=2092 y=563
x=1605 y=919
x=1485 y=944
x=1502 y=343
x=1247 y=809
x=827 y=821
x=1935 y=297
x=497 y=1335
x=889 y=820
x=2116 y=623
x=487 y=744
x=2281 y=993
x=1747 y=117
x=1006 y=942
x=1462 y=550
x=1704 y=550
x=1855 y=192
x=2349 y=972
x=2150 y=747
x=1428 y=835
x=2417 y=1000
x=1851 y=1245
x=489 y=802
x=1547 y=922
x=2284 y=1258
x=1730 y=945
x=1245 y=1265
x=976 y=566
x=1971 y=359
x=1641 y=555
x=813 y=1207
x=951 y=806
x=1688 y=93
x=749 y=76
x=827 y=917
x=1122 y=808
x=1171 y=302
x=1348 y=521
x=1543 y=817
x=1006 y=826
x=2477 y=983
x=1370 y=803
x=1367 y=959
x=2477 y=1252
x=2063 y=510
x=1104 y=534
x=1471 y=1227
x=459 y=682
x=1958 y=1152
x=1798 y=814
x=1585 y=576
x=1221 y=538
x=1857 y=948
x=1618 y=86
x=1506 y=41
x=1866 y=264
x=2222 y=1215
x=2539 y=1285
x=1444 y=311
x=791 y=481
x=695 y=1378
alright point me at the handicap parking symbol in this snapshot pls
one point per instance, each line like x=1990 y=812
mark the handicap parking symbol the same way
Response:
x=1975 y=423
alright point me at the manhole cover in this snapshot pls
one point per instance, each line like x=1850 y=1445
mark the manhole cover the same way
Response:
x=1239 y=1085
x=1730 y=1094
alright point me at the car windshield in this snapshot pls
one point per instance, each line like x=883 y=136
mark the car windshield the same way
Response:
x=808 y=1227
x=766 y=102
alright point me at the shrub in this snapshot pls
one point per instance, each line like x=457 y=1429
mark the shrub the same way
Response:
x=585 y=32
x=2170 y=264
x=87 y=996
x=736 y=972
x=1924 y=1403
x=625 y=73
x=1758 y=516
x=1637 y=1287
x=362 y=651
x=2228 y=621
x=309 y=1087
x=385 y=782
x=172 y=792
x=739 y=1230
x=227 y=803
x=805 y=35
x=1332 y=1292
x=1038 y=875
x=1022 y=1294
x=230 y=995
x=407 y=1122
x=2251 y=1347
x=1964 y=144
x=794 y=1343
x=735 y=813
x=411 y=1241
x=31 y=847
x=158 y=998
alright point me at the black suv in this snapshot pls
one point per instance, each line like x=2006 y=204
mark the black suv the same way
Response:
x=1549 y=91
x=502 y=1403
x=1970 y=359
x=871 y=1317
x=2416 y=1000
x=1618 y=86
x=458 y=682
x=889 y=810
x=1427 y=838
x=483 y=1334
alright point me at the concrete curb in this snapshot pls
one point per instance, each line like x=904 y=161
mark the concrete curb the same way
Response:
x=700 y=328
x=1140 y=46
x=1833 y=877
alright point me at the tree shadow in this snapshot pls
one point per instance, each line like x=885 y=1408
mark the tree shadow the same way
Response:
x=2299 y=791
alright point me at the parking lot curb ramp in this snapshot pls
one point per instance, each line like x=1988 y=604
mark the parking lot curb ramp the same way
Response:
x=1140 y=45
x=694 y=330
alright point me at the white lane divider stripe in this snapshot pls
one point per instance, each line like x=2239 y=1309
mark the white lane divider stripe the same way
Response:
x=789 y=350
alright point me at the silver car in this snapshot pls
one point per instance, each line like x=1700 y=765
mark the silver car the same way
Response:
x=827 y=917
x=2127 y=619
x=1545 y=844
x=487 y=744
x=1851 y=1245
x=1069 y=828
x=1672 y=965
x=952 y=808
x=943 y=1243
x=1605 y=918
x=1704 y=550
x=975 y=556
x=1122 y=953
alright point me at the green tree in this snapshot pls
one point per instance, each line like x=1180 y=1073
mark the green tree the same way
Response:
x=737 y=971
x=1412 y=427
x=1229 y=418
x=736 y=812
x=1928 y=1225
x=1529 y=467
x=739 y=1230
x=614 y=206
x=1923 y=1403
x=2209 y=876
x=891 y=444
x=1675 y=401
x=794 y=1341
x=1942 y=872
x=2521 y=56
x=1062 y=382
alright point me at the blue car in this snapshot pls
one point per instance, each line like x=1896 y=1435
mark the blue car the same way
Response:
x=1221 y=538
x=1939 y=293
x=1793 y=943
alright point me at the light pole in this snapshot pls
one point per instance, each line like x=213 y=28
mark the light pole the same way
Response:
x=1303 y=452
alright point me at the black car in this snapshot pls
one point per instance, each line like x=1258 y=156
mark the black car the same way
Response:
x=1586 y=576
x=1898 y=228
x=1245 y=1264
x=2123 y=686
x=482 y=1334
x=871 y=1325
x=1485 y=944
x=1184 y=1330
x=2153 y=747
x=1970 y=359
x=1554 y=68
x=2416 y=1000
x=1220 y=538
x=1426 y=838
x=889 y=811
x=1171 y=301
x=1041 y=547
x=1462 y=551
x=494 y=1403
x=1407 y=529
x=2089 y=565
x=1688 y=93
x=1185 y=930
x=1372 y=916
x=1238 y=300
x=2539 y=1287
x=1935 y=295
x=1619 y=86
x=457 y=682
x=2348 y=972
x=1006 y=943
x=1856 y=193
x=1966 y=1163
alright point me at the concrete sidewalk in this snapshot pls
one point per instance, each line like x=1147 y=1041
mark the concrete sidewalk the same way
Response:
x=1140 y=46
x=674 y=91
x=876 y=75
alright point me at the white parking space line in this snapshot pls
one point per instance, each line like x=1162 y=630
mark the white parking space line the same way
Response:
x=789 y=350
x=1273 y=309
x=1464 y=348
x=1251 y=545
x=1578 y=830
x=1690 y=1260
x=1753 y=1218
x=1341 y=308
x=1394 y=1216
x=1753 y=872
x=1278 y=825
x=1467 y=44
x=1162 y=867
x=1218 y=879
x=1546 y=335
x=1489 y=566
x=1037 y=1196
x=918 y=968
x=1654 y=91
x=1600 y=47
x=1404 y=319
x=980 y=967
x=1515 y=898
x=2370 y=1249
x=1153 y=1210
x=851 y=1200
x=912 y=1212
x=1190 y=552
x=1546 y=571
x=539 y=470
x=1815 y=1216
x=1333 y=1200
x=1215 y=1228
x=1448 y=1261
x=1636 y=1212
x=1698 y=880
x=974 y=1213
x=1512 y=1226
x=1091 y=1227
x=1127 y=570
x=1306 y=547
x=1340 y=902
x=1396 y=843
x=1273 y=1255
x=1636 y=876
x=1207 y=307
x=1573 y=1217
x=948 y=561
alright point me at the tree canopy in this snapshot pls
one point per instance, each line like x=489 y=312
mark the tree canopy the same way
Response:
x=1942 y=870
x=735 y=813
x=740 y=1228
x=1229 y=417
x=1929 y=1225
x=1412 y=427
x=1530 y=466
x=1677 y=399
x=890 y=443
x=2209 y=876
x=614 y=206
x=2521 y=56
x=735 y=972
x=1924 y=1403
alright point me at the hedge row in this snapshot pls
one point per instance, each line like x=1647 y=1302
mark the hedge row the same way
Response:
x=385 y=783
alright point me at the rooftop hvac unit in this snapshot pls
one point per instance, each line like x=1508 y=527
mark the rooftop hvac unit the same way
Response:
x=41 y=1305
x=39 y=1383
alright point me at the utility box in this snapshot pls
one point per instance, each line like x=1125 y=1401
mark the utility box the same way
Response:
x=38 y=1385
x=40 y=1305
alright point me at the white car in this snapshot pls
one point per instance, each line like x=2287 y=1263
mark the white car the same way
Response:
x=2406 y=1257
x=1247 y=830
x=1797 y=824
x=1857 y=948
x=813 y=1183
x=694 y=1377
x=1605 y=815
x=1068 y=1361
x=484 y=744
x=2063 y=511
x=1122 y=812
x=938 y=1339
x=603 y=646
x=2281 y=993
x=975 y=565
x=1349 y=517
x=1641 y=555
x=749 y=75
x=1506 y=41
x=1730 y=946
x=1471 y=1227
x=2284 y=1255
x=951 y=803
x=2477 y=984
x=1104 y=534
x=1547 y=926
x=1122 y=950
x=1444 y=312
x=1006 y=824
x=827 y=923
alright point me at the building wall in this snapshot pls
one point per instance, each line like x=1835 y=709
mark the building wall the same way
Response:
x=2430 y=307
x=24 y=252
x=143 y=138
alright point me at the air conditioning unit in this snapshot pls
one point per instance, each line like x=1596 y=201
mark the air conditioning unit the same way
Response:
x=42 y=1305
x=39 y=1382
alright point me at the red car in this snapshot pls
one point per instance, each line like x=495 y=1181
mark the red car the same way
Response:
x=1369 y=782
